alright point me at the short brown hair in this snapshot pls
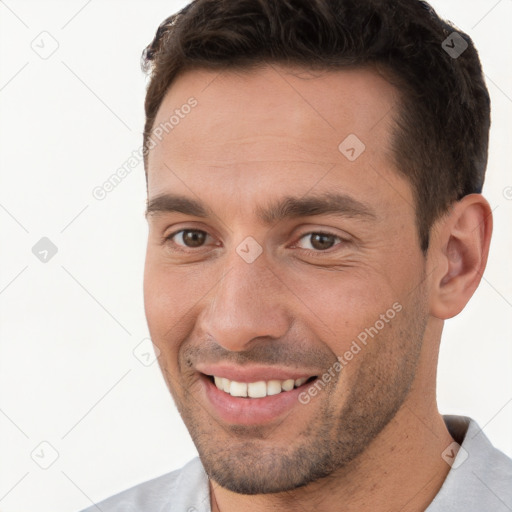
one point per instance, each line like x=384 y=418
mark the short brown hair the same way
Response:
x=441 y=132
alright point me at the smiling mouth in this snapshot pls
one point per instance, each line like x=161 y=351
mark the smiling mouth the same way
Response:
x=259 y=389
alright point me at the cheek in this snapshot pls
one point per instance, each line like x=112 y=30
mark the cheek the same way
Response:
x=342 y=304
x=363 y=297
x=162 y=307
x=166 y=293
x=171 y=298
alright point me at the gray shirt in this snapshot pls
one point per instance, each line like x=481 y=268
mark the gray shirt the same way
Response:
x=480 y=479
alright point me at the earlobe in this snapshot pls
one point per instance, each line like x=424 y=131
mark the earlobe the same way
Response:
x=460 y=250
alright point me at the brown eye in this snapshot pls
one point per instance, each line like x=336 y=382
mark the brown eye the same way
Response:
x=319 y=241
x=189 y=237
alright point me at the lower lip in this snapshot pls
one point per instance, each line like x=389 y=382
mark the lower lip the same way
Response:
x=250 y=411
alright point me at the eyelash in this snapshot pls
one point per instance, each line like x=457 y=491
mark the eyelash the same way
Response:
x=168 y=238
x=316 y=252
x=310 y=252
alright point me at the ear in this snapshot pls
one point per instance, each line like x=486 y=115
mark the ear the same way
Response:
x=458 y=255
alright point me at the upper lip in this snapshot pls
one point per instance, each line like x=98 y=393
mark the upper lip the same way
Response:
x=253 y=373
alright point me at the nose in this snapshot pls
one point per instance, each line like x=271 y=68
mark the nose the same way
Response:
x=248 y=302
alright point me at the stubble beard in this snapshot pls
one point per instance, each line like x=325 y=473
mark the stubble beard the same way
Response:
x=250 y=463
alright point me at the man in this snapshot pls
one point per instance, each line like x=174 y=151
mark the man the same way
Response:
x=314 y=175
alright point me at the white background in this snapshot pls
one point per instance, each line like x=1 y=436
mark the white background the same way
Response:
x=69 y=326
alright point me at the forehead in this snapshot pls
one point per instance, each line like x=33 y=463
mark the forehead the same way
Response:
x=273 y=126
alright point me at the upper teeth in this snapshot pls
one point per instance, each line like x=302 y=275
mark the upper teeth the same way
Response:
x=258 y=389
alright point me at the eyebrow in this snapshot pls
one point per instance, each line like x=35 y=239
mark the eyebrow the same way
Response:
x=288 y=207
x=167 y=203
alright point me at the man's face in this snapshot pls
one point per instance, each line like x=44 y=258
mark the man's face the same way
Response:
x=272 y=283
